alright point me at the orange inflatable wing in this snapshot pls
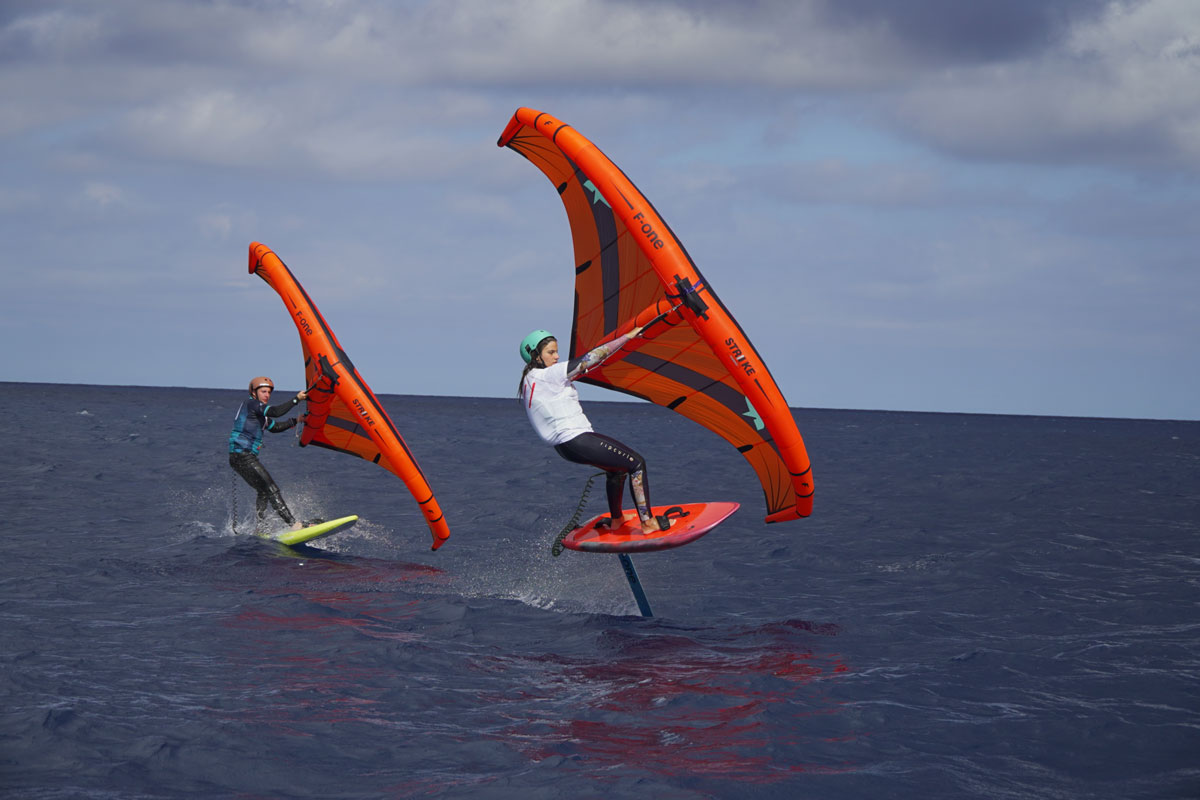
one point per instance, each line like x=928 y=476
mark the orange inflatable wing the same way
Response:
x=342 y=411
x=630 y=269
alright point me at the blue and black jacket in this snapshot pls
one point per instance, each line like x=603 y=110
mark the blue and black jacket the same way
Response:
x=252 y=419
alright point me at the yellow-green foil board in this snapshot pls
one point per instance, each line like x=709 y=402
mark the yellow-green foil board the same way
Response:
x=314 y=531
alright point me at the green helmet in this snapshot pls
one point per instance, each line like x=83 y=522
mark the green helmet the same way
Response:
x=531 y=344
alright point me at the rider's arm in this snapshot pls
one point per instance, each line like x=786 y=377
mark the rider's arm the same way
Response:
x=281 y=426
x=593 y=358
x=283 y=408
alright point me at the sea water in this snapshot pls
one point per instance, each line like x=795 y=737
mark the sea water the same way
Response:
x=980 y=606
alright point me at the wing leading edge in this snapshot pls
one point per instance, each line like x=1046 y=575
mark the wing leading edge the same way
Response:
x=630 y=269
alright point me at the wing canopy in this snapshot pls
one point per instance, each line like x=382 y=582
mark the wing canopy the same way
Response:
x=343 y=413
x=630 y=269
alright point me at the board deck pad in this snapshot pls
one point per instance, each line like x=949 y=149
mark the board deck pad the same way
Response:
x=314 y=531
x=628 y=538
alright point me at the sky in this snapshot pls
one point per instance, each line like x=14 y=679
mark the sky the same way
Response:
x=929 y=205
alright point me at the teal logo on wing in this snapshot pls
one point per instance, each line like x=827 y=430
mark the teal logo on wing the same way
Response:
x=752 y=414
x=596 y=196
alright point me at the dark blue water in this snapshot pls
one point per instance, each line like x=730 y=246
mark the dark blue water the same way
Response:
x=980 y=606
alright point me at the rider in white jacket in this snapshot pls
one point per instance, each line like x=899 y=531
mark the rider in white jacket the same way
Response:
x=550 y=399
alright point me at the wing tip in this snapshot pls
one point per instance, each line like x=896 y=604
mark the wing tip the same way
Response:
x=798 y=511
x=257 y=251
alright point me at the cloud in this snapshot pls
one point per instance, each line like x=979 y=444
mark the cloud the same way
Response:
x=941 y=33
x=102 y=194
x=221 y=127
x=216 y=225
x=903 y=177
x=1121 y=89
x=347 y=88
x=55 y=35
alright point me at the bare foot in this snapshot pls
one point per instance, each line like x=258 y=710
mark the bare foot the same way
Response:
x=611 y=523
x=297 y=526
x=651 y=525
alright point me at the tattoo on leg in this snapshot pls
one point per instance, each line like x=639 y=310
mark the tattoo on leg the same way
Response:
x=639 y=494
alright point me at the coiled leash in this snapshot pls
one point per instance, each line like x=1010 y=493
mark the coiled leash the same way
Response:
x=573 y=523
x=233 y=502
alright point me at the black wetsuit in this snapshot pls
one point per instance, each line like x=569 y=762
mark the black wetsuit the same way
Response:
x=616 y=459
x=254 y=417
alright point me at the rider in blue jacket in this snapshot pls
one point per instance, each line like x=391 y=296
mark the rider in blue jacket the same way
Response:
x=254 y=417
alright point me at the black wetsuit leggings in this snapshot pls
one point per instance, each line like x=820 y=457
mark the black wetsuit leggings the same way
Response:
x=255 y=474
x=618 y=461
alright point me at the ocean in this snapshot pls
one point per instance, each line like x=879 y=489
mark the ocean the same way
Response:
x=979 y=607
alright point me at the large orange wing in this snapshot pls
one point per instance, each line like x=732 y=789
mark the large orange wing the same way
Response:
x=630 y=269
x=342 y=412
